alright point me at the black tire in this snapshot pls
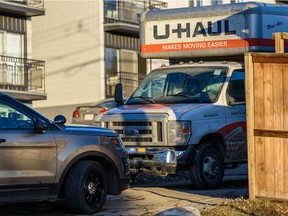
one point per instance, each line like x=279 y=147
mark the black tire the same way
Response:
x=208 y=170
x=86 y=187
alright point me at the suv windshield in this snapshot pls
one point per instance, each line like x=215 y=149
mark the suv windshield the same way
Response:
x=180 y=85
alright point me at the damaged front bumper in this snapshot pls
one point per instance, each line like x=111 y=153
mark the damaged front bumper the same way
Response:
x=155 y=161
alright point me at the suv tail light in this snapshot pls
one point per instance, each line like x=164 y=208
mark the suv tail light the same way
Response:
x=76 y=113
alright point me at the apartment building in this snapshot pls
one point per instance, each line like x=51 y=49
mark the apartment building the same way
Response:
x=88 y=46
x=21 y=75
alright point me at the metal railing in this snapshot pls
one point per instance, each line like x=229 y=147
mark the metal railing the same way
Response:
x=20 y=74
x=30 y=3
x=130 y=82
x=129 y=11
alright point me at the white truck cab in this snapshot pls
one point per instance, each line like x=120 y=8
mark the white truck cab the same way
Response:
x=191 y=115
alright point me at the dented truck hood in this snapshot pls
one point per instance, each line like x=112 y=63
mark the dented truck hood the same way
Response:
x=174 y=111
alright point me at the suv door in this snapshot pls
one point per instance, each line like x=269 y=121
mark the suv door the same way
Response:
x=27 y=157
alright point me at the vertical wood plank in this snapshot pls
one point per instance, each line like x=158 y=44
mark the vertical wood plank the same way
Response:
x=278 y=112
x=259 y=122
x=260 y=172
x=279 y=42
x=285 y=128
x=285 y=174
x=249 y=83
x=268 y=124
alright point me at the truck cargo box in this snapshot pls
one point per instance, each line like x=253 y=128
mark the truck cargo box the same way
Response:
x=221 y=30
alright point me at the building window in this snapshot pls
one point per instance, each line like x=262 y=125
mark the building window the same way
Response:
x=111 y=70
x=125 y=10
x=123 y=66
x=110 y=9
x=199 y=3
x=282 y=2
x=11 y=45
x=216 y=2
x=14 y=45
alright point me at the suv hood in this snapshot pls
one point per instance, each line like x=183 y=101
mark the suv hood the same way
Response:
x=176 y=110
x=88 y=130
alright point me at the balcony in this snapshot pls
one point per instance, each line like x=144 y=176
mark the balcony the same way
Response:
x=27 y=8
x=22 y=78
x=122 y=17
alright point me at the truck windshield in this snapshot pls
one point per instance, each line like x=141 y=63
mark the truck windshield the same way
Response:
x=180 y=85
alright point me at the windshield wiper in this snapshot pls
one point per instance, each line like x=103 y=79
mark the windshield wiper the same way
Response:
x=146 y=99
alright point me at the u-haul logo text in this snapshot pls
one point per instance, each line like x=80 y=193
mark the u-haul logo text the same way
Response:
x=188 y=30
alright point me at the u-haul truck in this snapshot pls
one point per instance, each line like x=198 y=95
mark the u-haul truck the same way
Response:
x=191 y=114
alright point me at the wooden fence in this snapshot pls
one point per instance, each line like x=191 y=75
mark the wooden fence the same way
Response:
x=267 y=121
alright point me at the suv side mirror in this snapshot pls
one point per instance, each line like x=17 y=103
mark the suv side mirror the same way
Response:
x=40 y=126
x=60 y=119
x=118 y=95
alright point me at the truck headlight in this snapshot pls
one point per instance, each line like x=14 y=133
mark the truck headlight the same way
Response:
x=96 y=124
x=96 y=121
x=179 y=132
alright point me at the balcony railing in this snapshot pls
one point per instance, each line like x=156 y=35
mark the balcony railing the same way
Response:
x=30 y=3
x=20 y=74
x=130 y=82
x=129 y=11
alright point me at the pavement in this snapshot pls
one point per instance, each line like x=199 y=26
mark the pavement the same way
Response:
x=230 y=175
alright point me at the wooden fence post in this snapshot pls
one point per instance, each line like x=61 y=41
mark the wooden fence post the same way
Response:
x=280 y=38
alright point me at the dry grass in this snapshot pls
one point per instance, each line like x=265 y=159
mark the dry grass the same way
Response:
x=244 y=207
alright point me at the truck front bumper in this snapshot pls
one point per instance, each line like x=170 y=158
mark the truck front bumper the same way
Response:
x=153 y=161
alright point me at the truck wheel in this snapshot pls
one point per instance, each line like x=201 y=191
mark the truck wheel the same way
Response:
x=208 y=170
x=86 y=187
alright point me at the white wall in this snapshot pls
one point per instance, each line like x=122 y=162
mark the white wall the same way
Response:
x=177 y=4
x=70 y=39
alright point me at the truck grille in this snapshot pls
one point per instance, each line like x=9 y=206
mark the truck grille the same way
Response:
x=139 y=129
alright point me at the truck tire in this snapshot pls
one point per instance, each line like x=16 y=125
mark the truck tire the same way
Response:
x=208 y=169
x=86 y=187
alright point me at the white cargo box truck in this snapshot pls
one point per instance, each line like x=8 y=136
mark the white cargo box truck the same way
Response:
x=191 y=114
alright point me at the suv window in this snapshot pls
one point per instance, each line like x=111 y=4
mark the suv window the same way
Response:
x=13 y=119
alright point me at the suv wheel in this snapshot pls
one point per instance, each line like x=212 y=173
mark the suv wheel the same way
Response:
x=86 y=187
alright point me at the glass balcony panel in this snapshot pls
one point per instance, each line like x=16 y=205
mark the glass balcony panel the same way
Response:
x=22 y=74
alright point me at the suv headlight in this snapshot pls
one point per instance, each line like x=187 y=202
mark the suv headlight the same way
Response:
x=179 y=132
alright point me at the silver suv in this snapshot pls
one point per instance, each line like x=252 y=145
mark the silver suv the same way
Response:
x=46 y=160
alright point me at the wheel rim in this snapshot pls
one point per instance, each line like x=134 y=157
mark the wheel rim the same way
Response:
x=210 y=167
x=93 y=188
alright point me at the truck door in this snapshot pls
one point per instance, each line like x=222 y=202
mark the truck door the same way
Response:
x=27 y=157
x=236 y=136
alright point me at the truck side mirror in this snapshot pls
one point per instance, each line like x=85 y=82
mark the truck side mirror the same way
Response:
x=118 y=95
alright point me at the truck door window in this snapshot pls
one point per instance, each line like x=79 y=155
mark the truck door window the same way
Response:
x=236 y=88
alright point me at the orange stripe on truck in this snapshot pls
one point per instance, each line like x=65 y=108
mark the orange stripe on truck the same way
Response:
x=204 y=45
